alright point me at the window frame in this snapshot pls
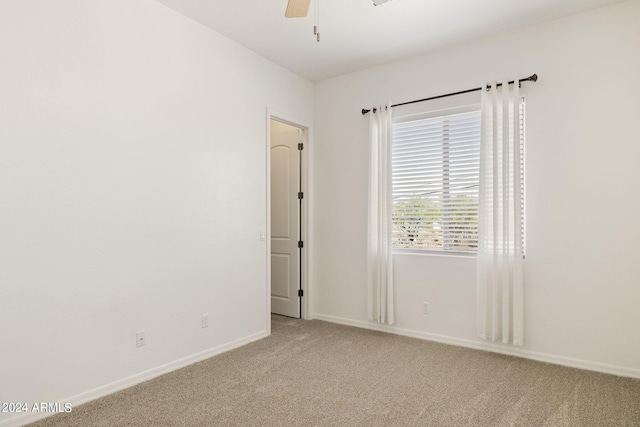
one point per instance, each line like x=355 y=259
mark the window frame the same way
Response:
x=461 y=108
x=426 y=115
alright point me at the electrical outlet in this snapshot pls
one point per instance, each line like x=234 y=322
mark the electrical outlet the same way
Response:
x=426 y=308
x=205 y=320
x=141 y=338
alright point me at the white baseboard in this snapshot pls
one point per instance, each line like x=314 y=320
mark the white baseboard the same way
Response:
x=493 y=347
x=113 y=387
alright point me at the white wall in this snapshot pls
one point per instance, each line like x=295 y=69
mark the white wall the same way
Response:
x=132 y=192
x=583 y=202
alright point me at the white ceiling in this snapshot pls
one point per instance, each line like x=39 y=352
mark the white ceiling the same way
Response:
x=356 y=34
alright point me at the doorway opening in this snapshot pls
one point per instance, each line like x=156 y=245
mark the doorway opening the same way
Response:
x=287 y=216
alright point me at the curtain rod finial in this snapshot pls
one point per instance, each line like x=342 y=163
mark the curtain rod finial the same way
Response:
x=365 y=111
x=534 y=78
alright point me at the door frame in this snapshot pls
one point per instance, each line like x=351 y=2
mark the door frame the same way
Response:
x=306 y=205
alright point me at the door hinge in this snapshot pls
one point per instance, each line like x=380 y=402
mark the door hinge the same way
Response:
x=300 y=146
x=300 y=292
x=300 y=244
x=300 y=195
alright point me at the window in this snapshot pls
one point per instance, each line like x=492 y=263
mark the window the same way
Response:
x=435 y=177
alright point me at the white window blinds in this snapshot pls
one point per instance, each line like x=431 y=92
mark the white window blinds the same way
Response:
x=435 y=165
x=435 y=177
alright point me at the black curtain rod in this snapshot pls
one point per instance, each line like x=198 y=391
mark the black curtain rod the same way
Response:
x=531 y=78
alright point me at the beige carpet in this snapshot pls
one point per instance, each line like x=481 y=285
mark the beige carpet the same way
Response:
x=313 y=373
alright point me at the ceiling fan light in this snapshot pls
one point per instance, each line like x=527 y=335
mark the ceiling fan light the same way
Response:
x=379 y=2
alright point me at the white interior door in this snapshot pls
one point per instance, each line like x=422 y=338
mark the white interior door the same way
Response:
x=285 y=219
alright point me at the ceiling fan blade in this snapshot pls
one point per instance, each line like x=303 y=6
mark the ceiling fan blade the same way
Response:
x=297 y=8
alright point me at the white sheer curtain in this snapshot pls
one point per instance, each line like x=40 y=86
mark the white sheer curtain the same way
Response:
x=500 y=269
x=380 y=261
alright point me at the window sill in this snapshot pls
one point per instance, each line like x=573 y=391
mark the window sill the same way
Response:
x=422 y=252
